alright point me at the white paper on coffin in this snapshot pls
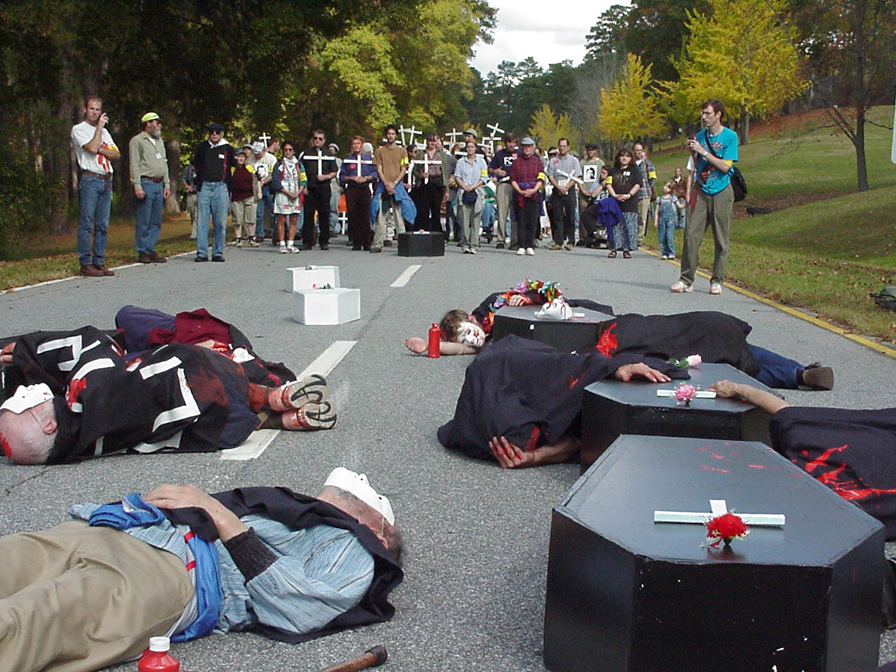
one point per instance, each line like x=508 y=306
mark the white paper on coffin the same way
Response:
x=310 y=277
x=326 y=306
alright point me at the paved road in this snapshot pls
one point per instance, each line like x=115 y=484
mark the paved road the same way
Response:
x=477 y=536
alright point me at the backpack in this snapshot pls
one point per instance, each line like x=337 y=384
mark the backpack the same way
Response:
x=885 y=298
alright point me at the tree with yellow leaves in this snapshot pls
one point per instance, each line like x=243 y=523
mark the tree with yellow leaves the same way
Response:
x=628 y=109
x=547 y=128
x=743 y=55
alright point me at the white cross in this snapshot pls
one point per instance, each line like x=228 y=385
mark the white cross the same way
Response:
x=453 y=135
x=495 y=129
x=320 y=158
x=426 y=162
x=718 y=507
x=489 y=144
x=572 y=178
x=411 y=133
x=360 y=163
x=264 y=137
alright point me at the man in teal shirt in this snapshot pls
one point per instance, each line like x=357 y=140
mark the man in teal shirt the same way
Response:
x=713 y=153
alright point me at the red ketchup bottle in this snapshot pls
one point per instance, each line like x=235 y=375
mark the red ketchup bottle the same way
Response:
x=435 y=338
x=156 y=658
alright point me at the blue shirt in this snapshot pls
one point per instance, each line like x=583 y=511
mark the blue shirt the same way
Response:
x=711 y=179
x=320 y=573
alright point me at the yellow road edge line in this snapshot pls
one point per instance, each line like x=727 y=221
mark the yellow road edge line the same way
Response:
x=818 y=322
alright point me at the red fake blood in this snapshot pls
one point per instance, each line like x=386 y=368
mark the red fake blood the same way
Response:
x=608 y=343
x=721 y=471
x=75 y=388
x=822 y=459
x=7 y=449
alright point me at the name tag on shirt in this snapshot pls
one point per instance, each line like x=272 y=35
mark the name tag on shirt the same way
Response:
x=221 y=156
x=158 y=155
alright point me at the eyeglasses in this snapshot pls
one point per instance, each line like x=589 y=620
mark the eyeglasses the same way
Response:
x=288 y=149
x=317 y=138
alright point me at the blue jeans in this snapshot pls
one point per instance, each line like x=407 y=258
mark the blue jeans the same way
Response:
x=149 y=216
x=666 y=234
x=776 y=370
x=214 y=203
x=95 y=195
x=488 y=217
x=265 y=204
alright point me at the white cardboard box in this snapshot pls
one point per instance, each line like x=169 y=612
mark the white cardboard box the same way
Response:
x=311 y=277
x=326 y=306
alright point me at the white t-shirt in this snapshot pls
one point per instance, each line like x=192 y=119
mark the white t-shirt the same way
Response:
x=96 y=163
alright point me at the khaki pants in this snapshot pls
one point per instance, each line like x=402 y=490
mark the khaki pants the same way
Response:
x=243 y=213
x=388 y=221
x=503 y=194
x=79 y=598
x=713 y=211
x=643 y=212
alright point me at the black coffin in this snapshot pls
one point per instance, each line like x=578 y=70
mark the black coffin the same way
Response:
x=627 y=595
x=566 y=335
x=421 y=245
x=611 y=408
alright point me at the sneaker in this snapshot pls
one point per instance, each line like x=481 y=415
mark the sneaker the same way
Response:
x=499 y=246
x=530 y=252
x=293 y=396
x=283 y=249
x=818 y=377
x=376 y=248
x=680 y=288
x=663 y=257
x=311 y=417
x=468 y=250
x=520 y=251
x=292 y=249
x=715 y=288
x=473 y=250
x=199 y=259
x=90 y=271
x=555 y=246
x=239 y=242
x=253 y=243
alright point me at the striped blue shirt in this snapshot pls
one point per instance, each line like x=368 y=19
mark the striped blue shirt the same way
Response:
x=320 y=573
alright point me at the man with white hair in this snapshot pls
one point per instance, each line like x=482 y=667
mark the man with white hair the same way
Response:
x=179 y=562
x=152 y=186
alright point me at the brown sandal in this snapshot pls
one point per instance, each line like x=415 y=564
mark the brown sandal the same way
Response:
x=612 y=255
x=626 y=255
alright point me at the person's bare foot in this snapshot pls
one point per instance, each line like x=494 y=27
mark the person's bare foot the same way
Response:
x=510 y=456
x=415 y=344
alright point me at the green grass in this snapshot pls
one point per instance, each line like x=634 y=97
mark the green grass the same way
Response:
x=54 y=257
x=828 y=246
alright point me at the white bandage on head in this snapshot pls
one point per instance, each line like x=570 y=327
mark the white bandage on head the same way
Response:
x=470 y=334
x=358 y=485
x=27 y=396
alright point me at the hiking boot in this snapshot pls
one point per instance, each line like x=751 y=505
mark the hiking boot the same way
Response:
x=90 y=271
x=817 y=377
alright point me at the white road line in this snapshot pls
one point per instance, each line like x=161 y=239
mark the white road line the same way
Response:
x=405 y=277
x=259 y=440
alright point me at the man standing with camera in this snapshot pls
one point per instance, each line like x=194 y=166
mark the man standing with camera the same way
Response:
x=713 y=152
x=95 y=150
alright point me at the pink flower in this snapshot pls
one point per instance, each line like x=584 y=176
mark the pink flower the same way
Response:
x=684 y=393
x=694 y=360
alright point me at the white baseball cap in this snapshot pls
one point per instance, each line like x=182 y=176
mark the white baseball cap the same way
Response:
x=27 y=396
x=358 y=485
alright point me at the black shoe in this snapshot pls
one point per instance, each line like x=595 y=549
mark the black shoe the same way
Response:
x=499 y=246
x=356 y=248
x=144 y=258
x=218 y=257
x=307 y=247
x=325 y=247
x=488 y=238
x=582 y=243
x=514 y=248
x=199 y=259
x=387 y=243
x=157 y=258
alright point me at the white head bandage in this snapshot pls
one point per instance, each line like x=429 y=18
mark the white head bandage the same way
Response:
x=470 y=334
x=357 y=485
x=27 y=397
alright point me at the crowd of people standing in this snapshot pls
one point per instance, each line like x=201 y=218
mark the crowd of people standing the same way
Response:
x=515 y=196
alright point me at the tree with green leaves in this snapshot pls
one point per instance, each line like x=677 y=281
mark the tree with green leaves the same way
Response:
x=743 y=55
x=547 y=127
x=628 y=109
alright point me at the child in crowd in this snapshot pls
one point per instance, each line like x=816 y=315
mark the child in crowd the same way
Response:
x=243 y=198
x=664 y=219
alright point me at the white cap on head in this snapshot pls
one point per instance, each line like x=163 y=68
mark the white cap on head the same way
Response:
x=27 y=397
x=358 y=485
